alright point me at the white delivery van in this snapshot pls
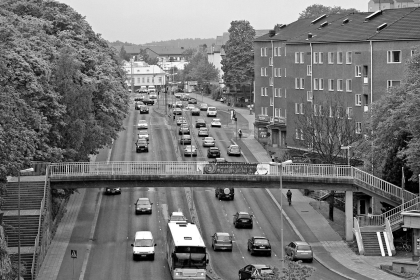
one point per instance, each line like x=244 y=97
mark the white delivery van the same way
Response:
x=144 y=245
x=211 y=112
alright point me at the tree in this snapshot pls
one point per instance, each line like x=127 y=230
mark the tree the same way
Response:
x=200 y=70
x=146 y=57
x=317 y=10
x=238 y=63
x=292 y=271
x=123 y=54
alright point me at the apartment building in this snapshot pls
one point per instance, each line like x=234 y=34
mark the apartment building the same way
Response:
x=356 y=57
x=168 y=56
x=143 y=74
x=376 y=5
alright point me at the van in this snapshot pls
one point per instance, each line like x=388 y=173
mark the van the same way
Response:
x=144 y=245
x=152 y=89
x=211 y=112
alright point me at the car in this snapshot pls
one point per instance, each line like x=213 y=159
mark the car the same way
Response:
x=142 y=124
x=213 y=152
x=200 y=123
x=144 y=109
x=177 y=217
x=192 y=101
x=177 y=111
x=179 y=104
x=190 y=150
x=143 y=205
x=243 y=219
x=141 y=145
x=221 y=241
x=195 y=111
x=143 y=134
x=299 y=250
x=189 y=107
x=177 y=95
x=181 y=120
x=112 y=190
x=234 y=150
x=216 y=123
x=208 y=142
x=259 y=245
x=255 y=271
x=144 y=245
x=203 y=132
x=185 y=98
x=143 y=89
x=184 y=129
x=179 y=90
x=220 y=160
x=153 y=95
x=203 y=107
x=211 y=112
x=138 y=97
x=148 y=101
x=224 y=193
x=185 y=139
x=138 y=105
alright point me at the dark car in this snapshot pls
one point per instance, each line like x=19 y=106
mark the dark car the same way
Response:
x=225 y=193
x=113 y=190
x=138 y=105
x=143 y=205
x=195 y=112
x=141 y=145
x=299 y=250
x=144 y=109
x=184 y=129
x=192 y=101
x=200 y=123
x=185 y=140
x=148 y=101
x=255 y=271
x=213 y=152
x=242 y=219
x=221 y=241
x=259 y=245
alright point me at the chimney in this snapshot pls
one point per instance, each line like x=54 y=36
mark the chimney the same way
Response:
x=271 y=33
x=310 y=36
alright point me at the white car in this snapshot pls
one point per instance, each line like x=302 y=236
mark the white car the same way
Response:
x=211 y=112
x=142 y=124
x=216 y=122
x=143 y=134
x=208 y=142
x=153 y=95
x=189 y=107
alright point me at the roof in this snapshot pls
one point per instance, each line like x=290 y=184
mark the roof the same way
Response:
x=383 y=1
x=132 y=49
x=222 y=234
x=166 y=50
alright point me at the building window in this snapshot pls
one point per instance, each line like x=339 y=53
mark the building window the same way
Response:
x=275 y=92
x=339 y=85
x=358 y=100
x=320 y=110
x=297 y=108
x=275 y=51
x=265 y=71
x=285 y=72
x=285 y=93
x=330 y=84
x=315 y=58
x=279 y=51
x=279 y=92
x=349 y=57
x=296 y=57
x=301 y=108
x=339 y=58
x=309 y=70
x=330 y=58
x=309 y=96
x=349 y=85
x=315 y=84
x=302 y=57
x=138 y=80
x=262 y=71
x=321 y=84
x=142 y=80
x=321 y=58
x=264 y=111
x=391 y=84
x=276 y=112
x=301 y=134
x=160 y=80
x=413 y=52
x=315 y=110
x=394 y=57
x=302 y=83
x=148 y=80
x=279 y=72
x=297 y=133
x=265 y=51
x=349 y=112
x=358 y=71
x=275 y=72
x=358 y=127
x=270 y=61
x=296 y=83
x=262 y=91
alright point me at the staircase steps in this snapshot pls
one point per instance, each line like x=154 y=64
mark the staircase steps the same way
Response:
x=31 y=195
x=371 y=244
x=28 y=230
x=382 y=235
x=26 y=260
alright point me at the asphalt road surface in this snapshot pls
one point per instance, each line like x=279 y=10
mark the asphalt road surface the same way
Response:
x=109 y=254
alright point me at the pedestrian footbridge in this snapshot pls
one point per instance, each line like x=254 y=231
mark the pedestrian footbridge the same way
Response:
x=203 y=174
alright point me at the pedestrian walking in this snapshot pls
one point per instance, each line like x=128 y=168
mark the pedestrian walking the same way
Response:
x=240 y=133
x=289 y=196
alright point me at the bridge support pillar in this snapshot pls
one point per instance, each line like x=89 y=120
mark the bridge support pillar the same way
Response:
x=349 y=215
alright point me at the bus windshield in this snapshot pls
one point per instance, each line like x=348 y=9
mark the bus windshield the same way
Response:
x=190 y=257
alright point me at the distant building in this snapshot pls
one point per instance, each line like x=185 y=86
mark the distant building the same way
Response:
x=143 y=74
x=356 y=57
x=376 y=5
x=167 y=56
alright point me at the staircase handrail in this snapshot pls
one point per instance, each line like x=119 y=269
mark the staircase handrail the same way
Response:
x=394 y=215
x=358 y=234
x=370 y=220
x=390 y=236
x=381 y=184
x=34 y=257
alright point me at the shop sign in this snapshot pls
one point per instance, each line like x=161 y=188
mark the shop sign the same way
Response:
x=263 y=118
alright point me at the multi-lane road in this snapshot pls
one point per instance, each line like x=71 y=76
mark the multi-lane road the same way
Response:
x=111 y=222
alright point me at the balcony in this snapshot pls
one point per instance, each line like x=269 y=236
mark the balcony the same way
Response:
x=366 y=90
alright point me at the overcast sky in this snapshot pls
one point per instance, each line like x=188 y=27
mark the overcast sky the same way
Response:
x=144 y=21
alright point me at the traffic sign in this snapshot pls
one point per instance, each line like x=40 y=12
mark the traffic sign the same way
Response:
x=73 y=254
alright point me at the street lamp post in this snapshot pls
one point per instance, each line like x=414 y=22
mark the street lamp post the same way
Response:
x=281 y=164
x=348 y=153
x=20 y=171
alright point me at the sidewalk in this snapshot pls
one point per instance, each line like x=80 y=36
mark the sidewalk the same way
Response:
x=338 y=257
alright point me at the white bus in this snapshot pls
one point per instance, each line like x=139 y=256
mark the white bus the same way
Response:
x=186 y=252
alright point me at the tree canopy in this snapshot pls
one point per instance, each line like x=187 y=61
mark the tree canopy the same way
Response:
x=317 y=10
x=62 y=88
x=199 y=69
x=238 y=63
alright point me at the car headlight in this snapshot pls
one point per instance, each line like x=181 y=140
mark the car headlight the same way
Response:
x=201 y=274
x=178 y=273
